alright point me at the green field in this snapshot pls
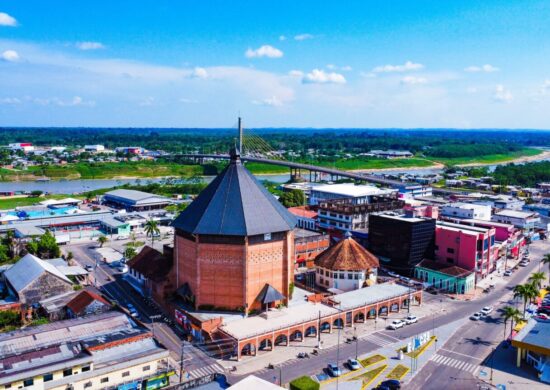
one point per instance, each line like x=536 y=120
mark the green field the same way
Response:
x=490 y=158
x=11 y=203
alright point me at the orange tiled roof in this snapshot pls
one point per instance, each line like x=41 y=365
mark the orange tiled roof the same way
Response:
x=347 y=255
x=83 y=299
x=303 y=211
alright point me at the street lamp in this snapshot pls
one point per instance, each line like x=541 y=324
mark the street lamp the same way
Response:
x=356 y=342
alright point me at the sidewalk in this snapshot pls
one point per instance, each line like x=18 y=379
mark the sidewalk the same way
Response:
x=361 y=330
x=443 y=334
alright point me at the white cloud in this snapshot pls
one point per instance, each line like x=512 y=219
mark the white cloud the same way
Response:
x=10 y=101
x=502 y=95
x=296 y=73
x=7 y=20
x=55 y=101
x=90 y=45
x=188 y=101
x=264 y=51
x=345 y=68
x=407 y=66
x=10 y=56
x=282 y=38
x=471 y=89
x=303 y=37
x=413 y=80
x=148 y=101
x=318 y=76
x=367 y=75
x=545 y=88
x=200 y=73
x=272 y=101
x=487 y=68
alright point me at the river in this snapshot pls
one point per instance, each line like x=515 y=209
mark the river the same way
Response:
x=79 y=186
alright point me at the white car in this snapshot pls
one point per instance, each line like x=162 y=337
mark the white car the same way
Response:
x=393 y=274
x=476 y=317
x=523 y=264
x=411 y=319
x=123 y=268
x=486 y=310
x=507 y=273
x=121 y=237
x=396 y=324
x=353 y=364
x=334 y=370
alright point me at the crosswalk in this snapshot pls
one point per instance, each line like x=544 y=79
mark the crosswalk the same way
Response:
x=204 y=371
x=458 y=364
x=378 y=340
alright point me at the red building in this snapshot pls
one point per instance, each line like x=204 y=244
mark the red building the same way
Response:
x=233 y=244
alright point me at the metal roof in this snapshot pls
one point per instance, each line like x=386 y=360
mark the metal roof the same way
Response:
x=136 y=197
x=28 y=269
x=235 y=204
x=269 y=294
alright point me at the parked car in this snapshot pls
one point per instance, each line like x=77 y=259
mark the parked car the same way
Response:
x=392 y=384
x=300 y=277
x=122 y=237
x=523 y=264
x=123 y=268
x=89 y=268
x=486 y=310
x=334 y=370
x=432 y=290
x=353 y=364
x=476 y=316
x=114 y=264
x=396 y=324
x=508 y=272
x=393 y=274
x=411 y=319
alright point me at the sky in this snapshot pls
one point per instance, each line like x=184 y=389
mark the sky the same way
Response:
x=376 y=64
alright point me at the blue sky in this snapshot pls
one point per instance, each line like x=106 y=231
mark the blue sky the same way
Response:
x=463 y=64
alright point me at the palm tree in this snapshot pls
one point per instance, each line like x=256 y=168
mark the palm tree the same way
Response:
x=129 y=253
x=102 y=240
x=546 y=260
x=537 y=278
x=12 y=243
x=526 y=292
x=510 y=313
x=151 y=229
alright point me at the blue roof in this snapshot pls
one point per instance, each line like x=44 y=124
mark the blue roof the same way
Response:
x=235 y=204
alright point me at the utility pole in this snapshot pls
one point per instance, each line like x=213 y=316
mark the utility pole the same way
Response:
x=181 y=360
x=240 y=136
x=319 y=331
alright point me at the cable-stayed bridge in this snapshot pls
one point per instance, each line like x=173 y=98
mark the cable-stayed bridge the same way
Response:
x=253 y=148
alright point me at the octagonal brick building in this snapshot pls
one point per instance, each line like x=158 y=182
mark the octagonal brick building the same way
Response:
x=232 y=243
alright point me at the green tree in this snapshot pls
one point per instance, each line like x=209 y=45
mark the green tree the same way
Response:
x=525 y=292
x=510 y=313
x=536 y=279
x=292 y=198
x=47 y=246
x=129 y=253
x=4 y=256
x=102 y=240
x=9 y=318
x=151 y=229
x=304 y=383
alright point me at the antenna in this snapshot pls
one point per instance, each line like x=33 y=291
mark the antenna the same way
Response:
x=240 y=136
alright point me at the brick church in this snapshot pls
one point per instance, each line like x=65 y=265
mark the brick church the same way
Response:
x=233 y=245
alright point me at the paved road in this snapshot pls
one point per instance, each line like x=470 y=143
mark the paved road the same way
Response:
x=457 y=363
x=195 y=362
x=475 y=342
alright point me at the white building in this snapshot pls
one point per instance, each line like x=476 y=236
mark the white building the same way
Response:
x=467 y=210
x=521 y=219
x=346 y=266
x=24 y=146
x=94 y=148
x=360 y=194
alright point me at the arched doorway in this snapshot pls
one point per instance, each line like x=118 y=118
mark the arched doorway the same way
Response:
x=383 y=311
x=338 y=323
x=371 y=313
x=281 y=339
x=248 y=350
x=311 y=331
x=265 y=345
x=296 y=335
x=325 y=327
x=359 y=317
x=394 y=307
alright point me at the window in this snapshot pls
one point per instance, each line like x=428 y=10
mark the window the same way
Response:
x=8 y=386
x=105 y=380
x=125 y=373
x=48 y=377
x=87 y=384
x=450 y=260
x=450 y=250
x=342 y=276
x=85 y=368
x=146 y=368
x=68 y=372
x=28 y=382
x=267 y=236
x=350 y=276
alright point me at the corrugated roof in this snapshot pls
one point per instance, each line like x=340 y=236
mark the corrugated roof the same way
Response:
x=28 y=269
x=347 y=255
x=447 y=269
x=235 y=204
x=84 y=299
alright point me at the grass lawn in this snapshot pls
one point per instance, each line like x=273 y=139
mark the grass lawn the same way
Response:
x=11 y=203
x=369 y=376
x=490 y=158
x=398 y=372
x=371 y=360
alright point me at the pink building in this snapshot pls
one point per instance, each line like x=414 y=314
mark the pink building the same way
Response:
x=426 y=211
x=470 y=247
x=505 y=233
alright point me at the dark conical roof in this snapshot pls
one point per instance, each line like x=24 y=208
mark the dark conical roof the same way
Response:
x=235 y=204
x=269 y=294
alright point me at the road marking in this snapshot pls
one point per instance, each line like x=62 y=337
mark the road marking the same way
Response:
x=461 y=354
x=455 y=363
x=170 y=337
x=378 y=340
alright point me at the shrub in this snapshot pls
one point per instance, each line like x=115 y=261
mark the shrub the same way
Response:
x=304 y=383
